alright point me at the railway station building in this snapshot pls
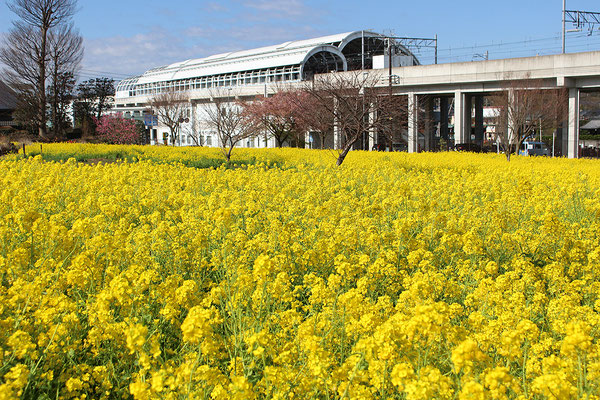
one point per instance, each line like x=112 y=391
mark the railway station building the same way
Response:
x=251 y=73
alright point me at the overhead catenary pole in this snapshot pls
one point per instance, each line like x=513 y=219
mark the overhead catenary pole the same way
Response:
x=579 y=19
x=564 y=26
x=411 y=42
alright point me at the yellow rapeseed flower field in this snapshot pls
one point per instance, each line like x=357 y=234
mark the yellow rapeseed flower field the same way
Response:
x=395 y=276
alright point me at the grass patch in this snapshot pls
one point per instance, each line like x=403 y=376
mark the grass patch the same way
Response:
x=122 y=156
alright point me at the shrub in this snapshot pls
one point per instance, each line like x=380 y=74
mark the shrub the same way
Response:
x=115 y=129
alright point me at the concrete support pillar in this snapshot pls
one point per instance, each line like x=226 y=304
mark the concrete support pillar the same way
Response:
x=468 y=117
x=444 y=130
x=572 y=138
x=413 y=123
x=444 y=110
x=479 y=129
x=307 y=140
x=428 y=123
x=372 y=130
x=462 y=118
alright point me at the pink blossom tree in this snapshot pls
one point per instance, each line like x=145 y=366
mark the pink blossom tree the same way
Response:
x=280 y=115
x=117 y=130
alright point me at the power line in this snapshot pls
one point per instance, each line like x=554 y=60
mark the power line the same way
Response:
x=546 y=45
x=499 y=44
x=91 y=71
x=492 y=45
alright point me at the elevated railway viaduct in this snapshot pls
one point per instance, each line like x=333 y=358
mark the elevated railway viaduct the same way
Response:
x=467 y=82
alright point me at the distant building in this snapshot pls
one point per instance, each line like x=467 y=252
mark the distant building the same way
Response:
x=590 y=138
x=592 y=127
x=251 y=73
x=8 y=104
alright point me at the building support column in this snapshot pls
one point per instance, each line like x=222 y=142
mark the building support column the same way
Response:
x=413 y=123
x=462 y=118
x=195 y=134
x=337 y=137
x=572 y=139
x=372 y=130
x=458 y=118
x=307 y=143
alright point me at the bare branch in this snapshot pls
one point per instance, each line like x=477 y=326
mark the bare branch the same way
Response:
x=354 y=105
x=28 y=40
x=523 y=107
x=43 y=13
x=225 y=116
x=171 y=108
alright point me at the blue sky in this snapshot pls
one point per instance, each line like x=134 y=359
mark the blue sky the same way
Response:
x=127 y=37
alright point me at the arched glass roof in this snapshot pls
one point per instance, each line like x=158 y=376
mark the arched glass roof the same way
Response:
x=127 y=84
x=333 y=50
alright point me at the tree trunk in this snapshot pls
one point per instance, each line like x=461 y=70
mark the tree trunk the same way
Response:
x=42 y=131
x=344 y=153
x=55 y=99
x=173 y=137
x=280 y=137
x=100 y=106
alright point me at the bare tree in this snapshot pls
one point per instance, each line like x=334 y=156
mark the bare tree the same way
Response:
x=171 y=108
x=313 y=119
x=104 y=90
x=20 y=54
x=26 y=110
x=61 y=96
x=94 y=98
x=66 y=53
x=227 y=117
x=523 y=107
x=356 y=107
x=28 y=40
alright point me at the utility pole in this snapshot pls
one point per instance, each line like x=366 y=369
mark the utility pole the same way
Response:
x=390 y=63
x=391 y=91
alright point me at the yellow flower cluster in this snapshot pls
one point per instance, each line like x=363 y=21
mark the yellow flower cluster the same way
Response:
x=446 y=276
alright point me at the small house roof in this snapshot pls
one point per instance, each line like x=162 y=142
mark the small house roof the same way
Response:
x=8 y=98
x=593 y=124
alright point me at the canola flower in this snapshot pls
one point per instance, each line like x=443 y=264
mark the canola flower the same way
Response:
x=446 y=276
